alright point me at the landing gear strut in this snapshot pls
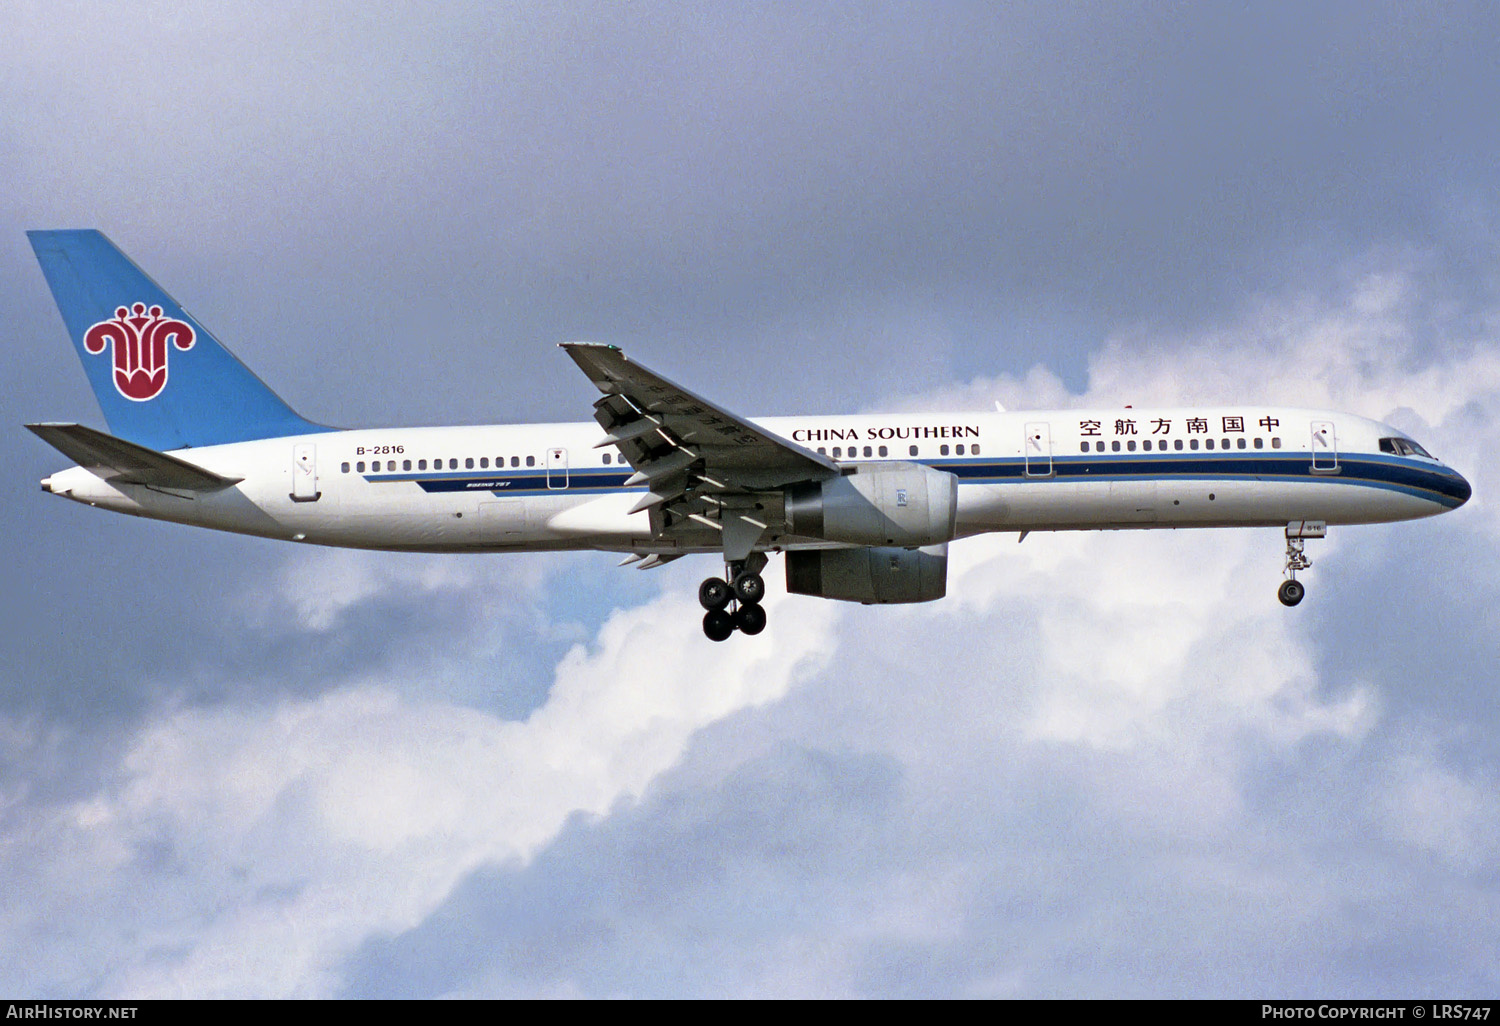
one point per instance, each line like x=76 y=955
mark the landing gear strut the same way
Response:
x=741 y=585
x=1297 y=532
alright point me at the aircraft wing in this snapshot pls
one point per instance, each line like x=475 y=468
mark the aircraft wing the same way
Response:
x=118 y=460
x=641 y=405
x=693 y=455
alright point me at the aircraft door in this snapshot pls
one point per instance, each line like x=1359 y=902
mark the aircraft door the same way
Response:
x=557 y=468
x=1325 y=447
x=1038 y=449
x=502 y=520
x=305 y=474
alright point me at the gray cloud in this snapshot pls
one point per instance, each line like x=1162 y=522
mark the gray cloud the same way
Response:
x=474 y=184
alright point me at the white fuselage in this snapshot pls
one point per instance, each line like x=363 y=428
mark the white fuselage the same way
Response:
x=545 y=486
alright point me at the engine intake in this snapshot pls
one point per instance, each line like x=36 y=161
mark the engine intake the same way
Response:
x=872 y=575
x=903 y=504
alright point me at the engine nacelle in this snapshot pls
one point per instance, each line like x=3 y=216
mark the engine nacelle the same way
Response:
x=876 y=574
x=903 y=504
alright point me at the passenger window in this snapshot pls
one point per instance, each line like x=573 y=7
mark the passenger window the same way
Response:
x=453 y=463
x=822 y=450
x=884 y=451
x=942 y=450
x=344 y=467
x=1240 y=443
x=1276 y=443
x=391 y=466
x=913 y=450
x=1192 y=443
x=1177 y=444
x=1208 y=443
x=360 y=466
x=1226 y=443
x=958 y=449
x=974 y=449
x=421 y=464
x=607 y=459
x=484 y=463
x=1114 y=446
x=838 y=452
x=468 y=463
x=1260 y=443
x=531 y=461
x=1130 y=445
x=515 y=461
x=869 y=452
x=1085 y=445
x=406 y=464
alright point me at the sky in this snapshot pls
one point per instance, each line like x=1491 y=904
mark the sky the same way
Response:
x=1107 y=764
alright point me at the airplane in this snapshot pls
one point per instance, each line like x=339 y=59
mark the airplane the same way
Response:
x=861 y=507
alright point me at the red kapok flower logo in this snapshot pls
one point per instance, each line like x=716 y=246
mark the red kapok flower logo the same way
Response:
x=140 y=348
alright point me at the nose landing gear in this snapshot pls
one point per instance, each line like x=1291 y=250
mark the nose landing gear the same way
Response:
x=1297 y=532
x=741 y=585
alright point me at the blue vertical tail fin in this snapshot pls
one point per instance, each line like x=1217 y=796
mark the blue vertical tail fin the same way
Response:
x=162 y=380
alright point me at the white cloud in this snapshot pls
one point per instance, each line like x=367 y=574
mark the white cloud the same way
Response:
x=323 y=584
x=1442 y=811
x=356 y=812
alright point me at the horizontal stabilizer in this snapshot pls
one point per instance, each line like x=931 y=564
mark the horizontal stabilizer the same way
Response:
x=118 y=460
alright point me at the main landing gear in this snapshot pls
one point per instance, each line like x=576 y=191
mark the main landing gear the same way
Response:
x=1297 y=532
x=741 y=587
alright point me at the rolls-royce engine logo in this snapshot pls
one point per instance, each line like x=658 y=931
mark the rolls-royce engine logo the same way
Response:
x=140 y=338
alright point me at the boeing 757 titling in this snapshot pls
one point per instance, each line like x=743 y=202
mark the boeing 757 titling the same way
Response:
x=862 y=507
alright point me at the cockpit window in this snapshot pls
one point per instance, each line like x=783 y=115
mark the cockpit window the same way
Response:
x=1403 y=447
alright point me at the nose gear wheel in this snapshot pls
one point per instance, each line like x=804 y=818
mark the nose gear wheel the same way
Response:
x=1292 y=590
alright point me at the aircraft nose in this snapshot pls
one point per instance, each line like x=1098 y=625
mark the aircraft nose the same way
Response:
x=1453 y=486
x=1461 y=488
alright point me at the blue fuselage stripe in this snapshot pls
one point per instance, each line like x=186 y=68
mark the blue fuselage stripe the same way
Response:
x=1413 y=478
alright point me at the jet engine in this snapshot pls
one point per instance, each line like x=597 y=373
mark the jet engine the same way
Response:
x=872 y=575
x=903 y=504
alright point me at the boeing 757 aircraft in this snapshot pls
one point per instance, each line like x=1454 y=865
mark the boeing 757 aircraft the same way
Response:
x=863 y=507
